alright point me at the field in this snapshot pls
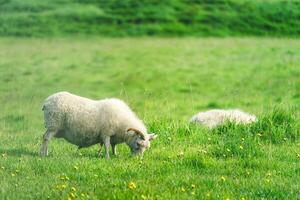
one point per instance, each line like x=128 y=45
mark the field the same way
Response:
x=165 y=81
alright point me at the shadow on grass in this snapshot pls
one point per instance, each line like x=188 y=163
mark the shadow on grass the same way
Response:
x=90 y=155
x=18 y=152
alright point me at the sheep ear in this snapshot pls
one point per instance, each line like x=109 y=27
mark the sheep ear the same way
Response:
x=152 y=136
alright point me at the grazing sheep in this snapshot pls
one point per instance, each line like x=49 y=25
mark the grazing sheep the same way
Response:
x=85 y=122
x=216 y=117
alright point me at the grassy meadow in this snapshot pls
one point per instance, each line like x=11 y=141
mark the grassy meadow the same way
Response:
x=165 y=81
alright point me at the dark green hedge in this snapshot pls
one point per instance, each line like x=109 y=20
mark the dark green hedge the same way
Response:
x=149 y=17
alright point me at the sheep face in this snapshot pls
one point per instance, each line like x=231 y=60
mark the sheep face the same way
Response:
x=139 y=142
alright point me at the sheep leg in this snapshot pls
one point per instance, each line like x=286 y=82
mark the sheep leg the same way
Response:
x=114 y=149
x=100 y=149
x=46 y=138
x=107 y=145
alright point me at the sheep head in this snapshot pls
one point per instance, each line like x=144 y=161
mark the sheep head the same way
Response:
x=138 y=141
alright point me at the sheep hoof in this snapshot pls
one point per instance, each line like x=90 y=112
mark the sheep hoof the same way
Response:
x=44 y=154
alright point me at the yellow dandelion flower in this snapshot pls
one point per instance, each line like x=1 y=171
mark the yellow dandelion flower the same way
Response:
x=203 y=151
x=72 y=195
x=63 y=186
x=241 y=147
x=298 y=154
x=182 y=189
x=73 y=189
x=193 y=186
x=131 y=185
x=181 y=153
x=143 y=197
x=243 y=198
x=227 y=198
x=193 y=193
x=223 y=178
x=69 y=198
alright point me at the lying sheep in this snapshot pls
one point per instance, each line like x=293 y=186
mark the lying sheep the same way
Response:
x=216 y=117
x=85 y=122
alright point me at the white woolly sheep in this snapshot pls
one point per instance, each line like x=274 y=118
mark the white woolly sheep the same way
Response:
x=216 y=117
x=85 y=122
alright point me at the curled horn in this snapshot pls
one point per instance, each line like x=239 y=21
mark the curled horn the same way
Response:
x=137 y=132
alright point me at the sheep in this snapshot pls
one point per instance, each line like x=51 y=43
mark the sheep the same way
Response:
x=85 y=122
x=216 y=117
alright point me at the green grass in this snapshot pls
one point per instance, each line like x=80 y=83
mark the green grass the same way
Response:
x=150 y=17
x=165 y=81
